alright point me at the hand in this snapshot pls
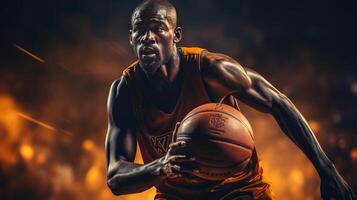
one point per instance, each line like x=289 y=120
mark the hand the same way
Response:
x=173 y=165
x=333 y=186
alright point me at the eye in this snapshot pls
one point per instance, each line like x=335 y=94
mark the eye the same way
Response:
x=160 y=28
x=135 y=29
x=138 y=29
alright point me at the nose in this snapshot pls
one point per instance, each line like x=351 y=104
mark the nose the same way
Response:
x=148 y=37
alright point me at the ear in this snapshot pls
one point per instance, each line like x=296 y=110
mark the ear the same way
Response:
x=177 y=34
x=130 y=37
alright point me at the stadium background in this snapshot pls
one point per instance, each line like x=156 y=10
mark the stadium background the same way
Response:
x=58 y=58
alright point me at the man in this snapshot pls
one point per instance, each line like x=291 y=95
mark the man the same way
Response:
x=167 y=82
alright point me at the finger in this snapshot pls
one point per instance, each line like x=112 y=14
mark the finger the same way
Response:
x=169 y=169
x=176 y=158
x=174 y=134
x=176 y=145
x=185 y=162
x=174 y=175
x=192 y=172
x=174 y=171
x=175 y=168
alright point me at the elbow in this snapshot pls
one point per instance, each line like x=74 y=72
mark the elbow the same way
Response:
x=114 y=187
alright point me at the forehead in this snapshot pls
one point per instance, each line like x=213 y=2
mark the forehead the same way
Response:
x=149 y=15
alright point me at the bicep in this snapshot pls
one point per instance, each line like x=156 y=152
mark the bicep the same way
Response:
x=223 y=75
x=120 y=143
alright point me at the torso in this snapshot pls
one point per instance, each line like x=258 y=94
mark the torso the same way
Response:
x=155 y=126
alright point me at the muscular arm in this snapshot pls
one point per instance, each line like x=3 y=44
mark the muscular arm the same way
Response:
x=223 y=74
x=264 y=97
x=123 y=175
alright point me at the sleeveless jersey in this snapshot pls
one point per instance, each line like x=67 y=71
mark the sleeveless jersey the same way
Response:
x=155 y=127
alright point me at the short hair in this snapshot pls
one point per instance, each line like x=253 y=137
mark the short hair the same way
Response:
x=155 y=4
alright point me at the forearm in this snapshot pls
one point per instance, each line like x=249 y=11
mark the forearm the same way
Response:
x=127 y=177
x=297 y=129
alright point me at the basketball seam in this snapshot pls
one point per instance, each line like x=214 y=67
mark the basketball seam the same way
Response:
x=222 y=139
x=250 y=133
x=234 y=165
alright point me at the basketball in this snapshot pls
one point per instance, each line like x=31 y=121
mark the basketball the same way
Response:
x=220 y=138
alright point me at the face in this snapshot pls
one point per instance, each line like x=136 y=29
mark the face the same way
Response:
x=153 y=38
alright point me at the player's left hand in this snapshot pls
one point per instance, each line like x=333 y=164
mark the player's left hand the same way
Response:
x=333 y=186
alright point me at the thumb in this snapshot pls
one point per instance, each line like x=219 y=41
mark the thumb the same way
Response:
x=174 y=134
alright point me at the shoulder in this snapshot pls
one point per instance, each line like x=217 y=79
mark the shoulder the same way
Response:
x=131 y=69
x=191 y=50
x=118 y=94
x=117 y=91
x=224 y=70
x=119 y=102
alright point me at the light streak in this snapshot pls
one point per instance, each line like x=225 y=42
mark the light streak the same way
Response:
x=43 y=124
x=27 y=52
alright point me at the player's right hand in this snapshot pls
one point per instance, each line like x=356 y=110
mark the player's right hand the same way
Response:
x=171 y=164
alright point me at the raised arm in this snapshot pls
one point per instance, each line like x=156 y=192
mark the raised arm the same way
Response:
x=123 y=175
x=220 y=71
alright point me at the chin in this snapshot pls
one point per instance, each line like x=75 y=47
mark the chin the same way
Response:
x=150 y=68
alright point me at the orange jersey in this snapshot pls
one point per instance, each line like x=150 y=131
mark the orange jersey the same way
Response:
x=155 y=128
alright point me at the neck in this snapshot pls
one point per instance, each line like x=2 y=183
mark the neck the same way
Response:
x=169 y=71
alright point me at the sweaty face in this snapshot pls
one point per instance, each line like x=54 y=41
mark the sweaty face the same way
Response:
x=152 y=38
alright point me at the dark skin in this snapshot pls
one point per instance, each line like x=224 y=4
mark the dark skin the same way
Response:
x=154 y=39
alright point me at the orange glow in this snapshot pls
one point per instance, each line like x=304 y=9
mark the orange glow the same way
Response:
x=27 y=152
x=10 y=130
x=296 y=177
x=285 y=167
x=88 y=145
x=9 y=119
x=272 y=146
x=41 y=159
x=314 y=125
x=94 y=178
x=77 y=166
x=354 y=154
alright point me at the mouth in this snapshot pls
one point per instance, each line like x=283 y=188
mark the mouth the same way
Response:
x=148 y=54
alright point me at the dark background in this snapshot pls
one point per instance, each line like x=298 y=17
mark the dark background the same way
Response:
x=307 y=49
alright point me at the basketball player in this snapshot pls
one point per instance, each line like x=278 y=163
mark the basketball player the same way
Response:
x=165 y=84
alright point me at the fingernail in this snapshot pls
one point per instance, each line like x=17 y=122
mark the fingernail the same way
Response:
x=192 y=158
x=196 y=171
